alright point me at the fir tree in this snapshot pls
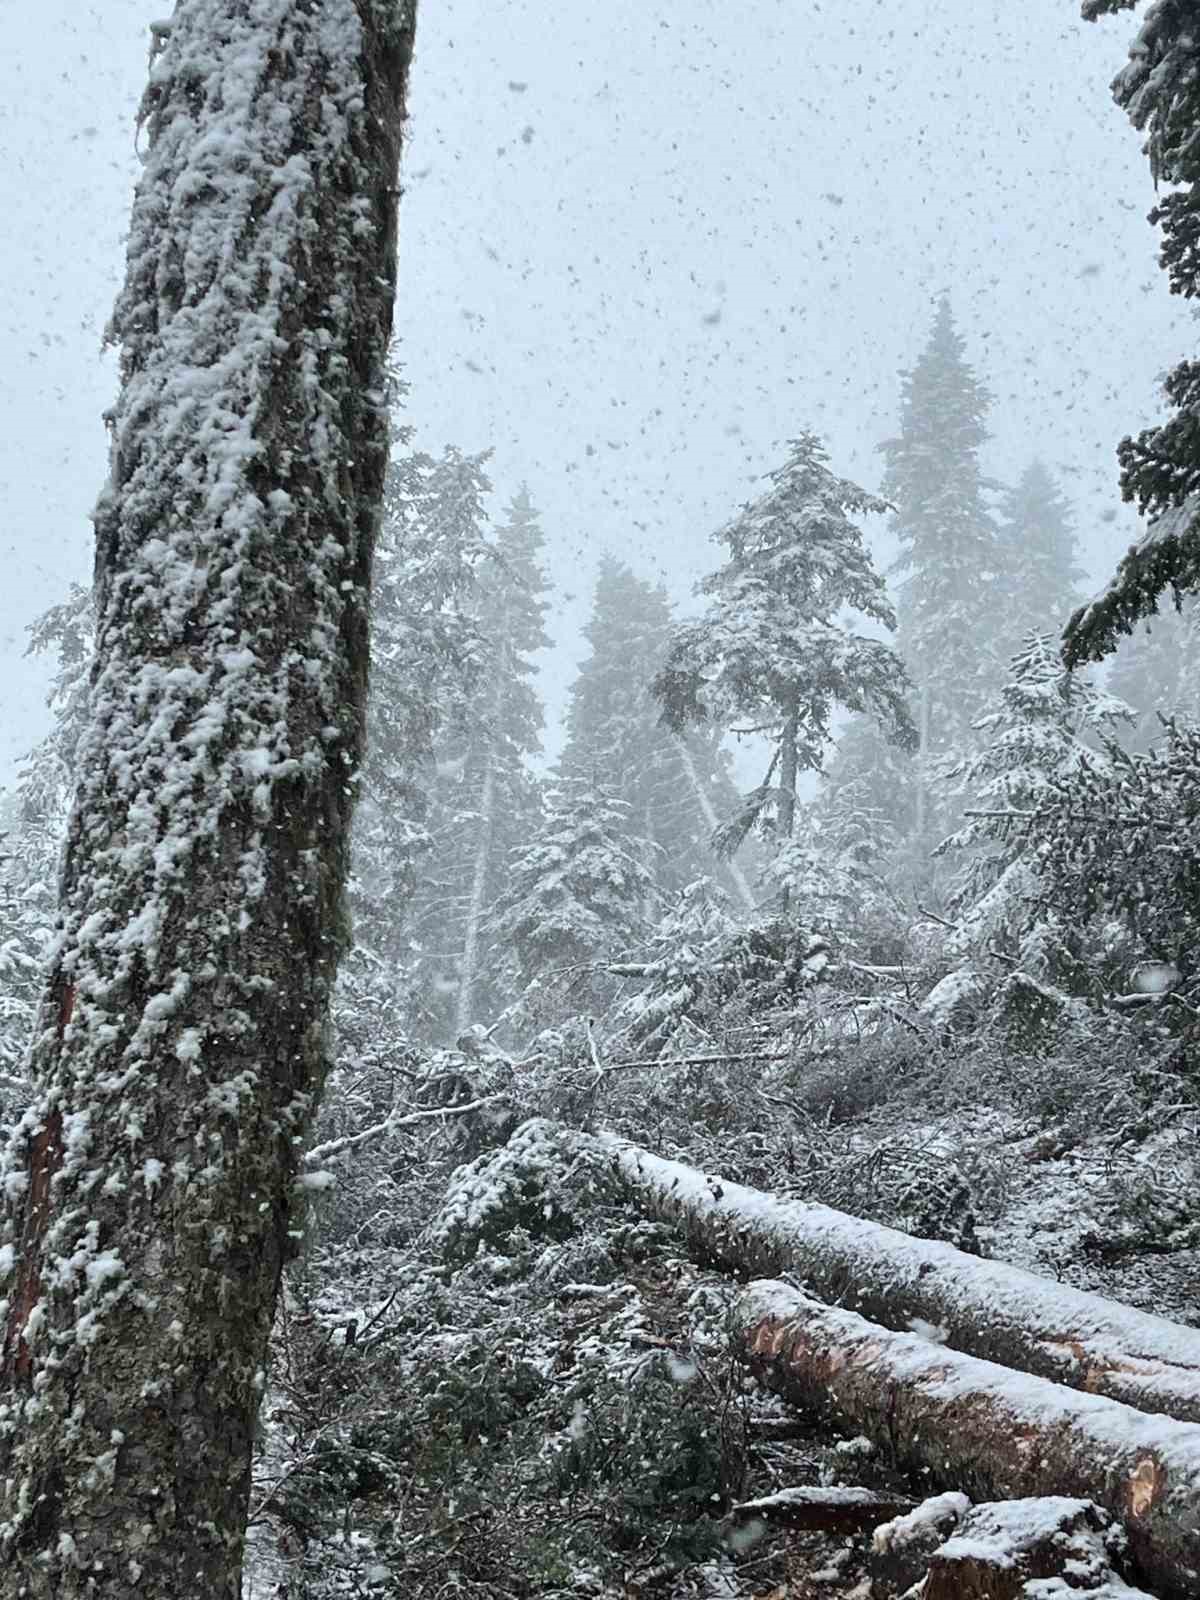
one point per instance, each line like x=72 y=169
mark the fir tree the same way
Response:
x=675 y=783
x=1037 y=741
x=948 y=600
x=774 y=653
x=579 y=891
x=485 y=803
x=1160 y=470
x=1038 y=566
x=425 y=663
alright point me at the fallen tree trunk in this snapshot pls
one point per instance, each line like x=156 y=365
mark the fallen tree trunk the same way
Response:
x=983 y=1308
x=978 y=1427
x=825 y=1510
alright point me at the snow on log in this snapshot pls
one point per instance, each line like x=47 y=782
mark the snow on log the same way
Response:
x=983 y=1308
x=1029 y=1550
x=980 y=1427
x=825 y=1510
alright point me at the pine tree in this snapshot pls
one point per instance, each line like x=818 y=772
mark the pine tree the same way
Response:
x=1039 y=573
x=579 y=891
x=1160 y=90
x=949 y=615
x=774 y=653
x=180 y=1051
x=675 y=783
x=484 y=799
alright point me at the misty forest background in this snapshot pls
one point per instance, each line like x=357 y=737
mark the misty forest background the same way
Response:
x=834 y=881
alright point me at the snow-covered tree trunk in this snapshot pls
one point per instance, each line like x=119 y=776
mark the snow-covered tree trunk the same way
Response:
x=477 y=904
x=787 y=773
x=709 y=812
x=181 y=1045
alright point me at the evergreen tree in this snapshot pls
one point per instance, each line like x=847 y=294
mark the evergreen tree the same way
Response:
x=1038 y=566
x=1039 y=738
x=426 y=662
x=484 y=800
x=774 y=653
x=1160 y=90
x=579 y=891
x=675 y=783
x=948 y=602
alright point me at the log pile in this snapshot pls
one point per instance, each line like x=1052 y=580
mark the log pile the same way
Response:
x=982 y=1308
x=1074 y=1414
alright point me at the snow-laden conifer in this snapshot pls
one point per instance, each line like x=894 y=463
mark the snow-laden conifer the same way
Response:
x=579 y=891
x=484 y=801
x=1039 y=572
x=949 y=618
x=675 y=783
x=1159 y=88
x=1048 y=728
x=777 y=652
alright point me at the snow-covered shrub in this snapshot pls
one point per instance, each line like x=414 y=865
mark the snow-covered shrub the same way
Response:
x=539 y=1183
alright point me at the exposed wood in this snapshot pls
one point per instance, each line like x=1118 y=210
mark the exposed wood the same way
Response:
x=984 y=1308
x=1008 y=1551
x=978 y=1427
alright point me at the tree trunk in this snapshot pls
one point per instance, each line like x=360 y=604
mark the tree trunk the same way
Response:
x=922 y=801
x=979 y=1427
x=985 y=1308
x=709 y=812
x=787 y=768
x=475 y=905
x=182 y=1038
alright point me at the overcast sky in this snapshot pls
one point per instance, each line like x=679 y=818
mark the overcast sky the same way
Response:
x=642 y=244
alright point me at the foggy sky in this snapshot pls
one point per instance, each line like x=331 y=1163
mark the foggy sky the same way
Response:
x=643 y=244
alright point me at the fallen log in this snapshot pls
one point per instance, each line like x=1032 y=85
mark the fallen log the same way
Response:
x=981 y=1428
x=1025 y=1549
x=824 y=1510
x=983 y=1308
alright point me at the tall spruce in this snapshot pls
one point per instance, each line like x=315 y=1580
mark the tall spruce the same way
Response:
x=949 y=559
x=1159 y=88
x=1045 y=727
x=1039 y=571
x=776 y=652
x=426 y=656
x=580 y=890
x=181 y=1046
x=675 y=783
x=485 y=803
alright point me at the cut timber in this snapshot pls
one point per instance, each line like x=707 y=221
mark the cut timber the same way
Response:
x=828 y=1510
x=984 y=1308
x=1016 y=1549
x=996 y=1434
x=900 y=1549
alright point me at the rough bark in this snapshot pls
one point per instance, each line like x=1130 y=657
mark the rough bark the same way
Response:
x=182 y=1039
x=984 y=1308
x=981 y=1428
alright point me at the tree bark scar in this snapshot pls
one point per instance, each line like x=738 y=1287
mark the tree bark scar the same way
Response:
x=45 y=1159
